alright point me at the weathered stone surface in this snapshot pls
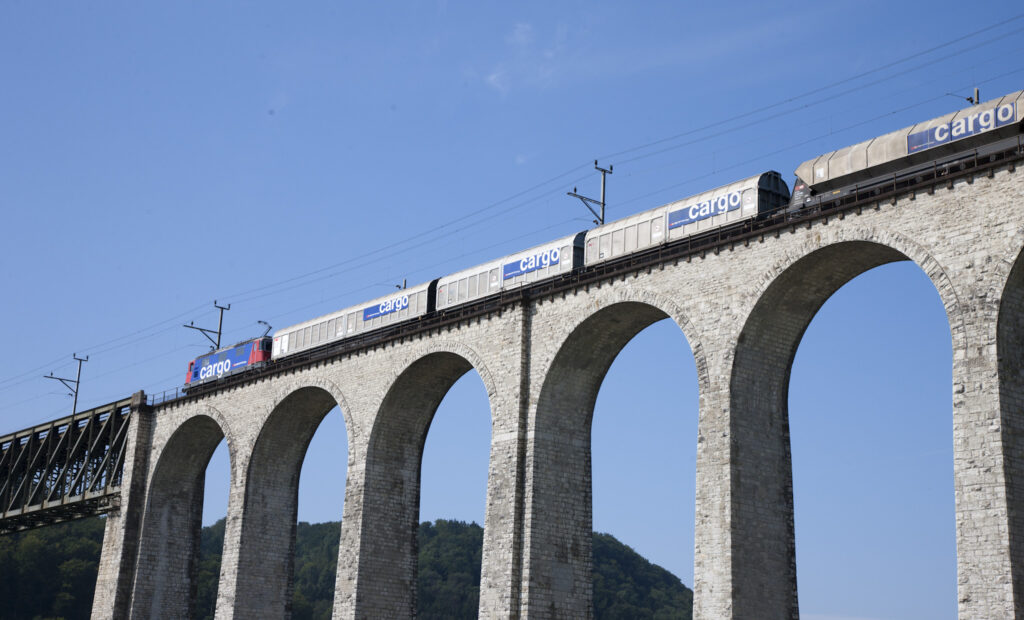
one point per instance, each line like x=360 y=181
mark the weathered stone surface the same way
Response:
x=743 y=310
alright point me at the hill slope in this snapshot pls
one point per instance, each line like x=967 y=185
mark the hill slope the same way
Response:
x=51 y=573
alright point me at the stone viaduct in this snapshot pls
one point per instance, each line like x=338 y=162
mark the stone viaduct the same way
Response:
x=743 y=308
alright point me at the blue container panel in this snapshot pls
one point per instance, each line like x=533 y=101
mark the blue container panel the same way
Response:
x=220 y=363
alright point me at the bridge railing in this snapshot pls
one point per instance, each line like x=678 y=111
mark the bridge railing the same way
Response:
x=165 y=396
x=64 y=469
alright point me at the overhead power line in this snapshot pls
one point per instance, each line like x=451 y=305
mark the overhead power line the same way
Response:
x=531 y=234
x=815 y=91
x=806 y=141
x=209 y=332
x=72 y=384
x=590 y=201
x=390 y=248
x=800 y=108
x=430 y=233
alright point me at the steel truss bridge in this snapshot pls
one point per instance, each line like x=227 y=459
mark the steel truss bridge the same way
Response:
x=64 y=469
x=72 y=467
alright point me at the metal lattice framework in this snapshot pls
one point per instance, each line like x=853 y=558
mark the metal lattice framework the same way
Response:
x=64 y=469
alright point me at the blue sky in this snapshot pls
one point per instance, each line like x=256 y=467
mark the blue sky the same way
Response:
x=296 y=160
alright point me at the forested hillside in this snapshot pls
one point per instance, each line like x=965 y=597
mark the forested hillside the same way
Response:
x=51 y=572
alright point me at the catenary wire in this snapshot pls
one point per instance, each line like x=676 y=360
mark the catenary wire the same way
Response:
x=553 y=179
x=816 y=90
x=494 y=205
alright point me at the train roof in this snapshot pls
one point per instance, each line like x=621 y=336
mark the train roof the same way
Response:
x=357 y=308
x=232 y=346
x=574 y=239
x=922 y=142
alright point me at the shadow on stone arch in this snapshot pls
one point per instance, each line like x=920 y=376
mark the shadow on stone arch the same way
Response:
x=165 y=582
x=1010 y=352
x=386 y=583
x=760 y=476
x=558 y=569
x=266 y=549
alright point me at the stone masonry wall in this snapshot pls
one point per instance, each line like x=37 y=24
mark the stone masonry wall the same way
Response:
x=743 y=310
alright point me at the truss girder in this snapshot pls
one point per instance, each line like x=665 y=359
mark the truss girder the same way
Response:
x=64 y=469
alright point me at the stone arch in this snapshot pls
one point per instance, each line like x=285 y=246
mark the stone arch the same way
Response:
x=557 y=573
x=1010 y=360
x=905 y=249
x=387 y=557
x=789 y=295
x=456 y=348
x=169 y=543
x=330 y=388
x=264 y=560
x=594 y=343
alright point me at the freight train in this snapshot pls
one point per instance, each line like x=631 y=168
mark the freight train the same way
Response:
x=936 y=147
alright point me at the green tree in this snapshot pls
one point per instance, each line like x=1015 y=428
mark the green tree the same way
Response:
x=211 y=544
x=51 y=573
x=627 y=586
